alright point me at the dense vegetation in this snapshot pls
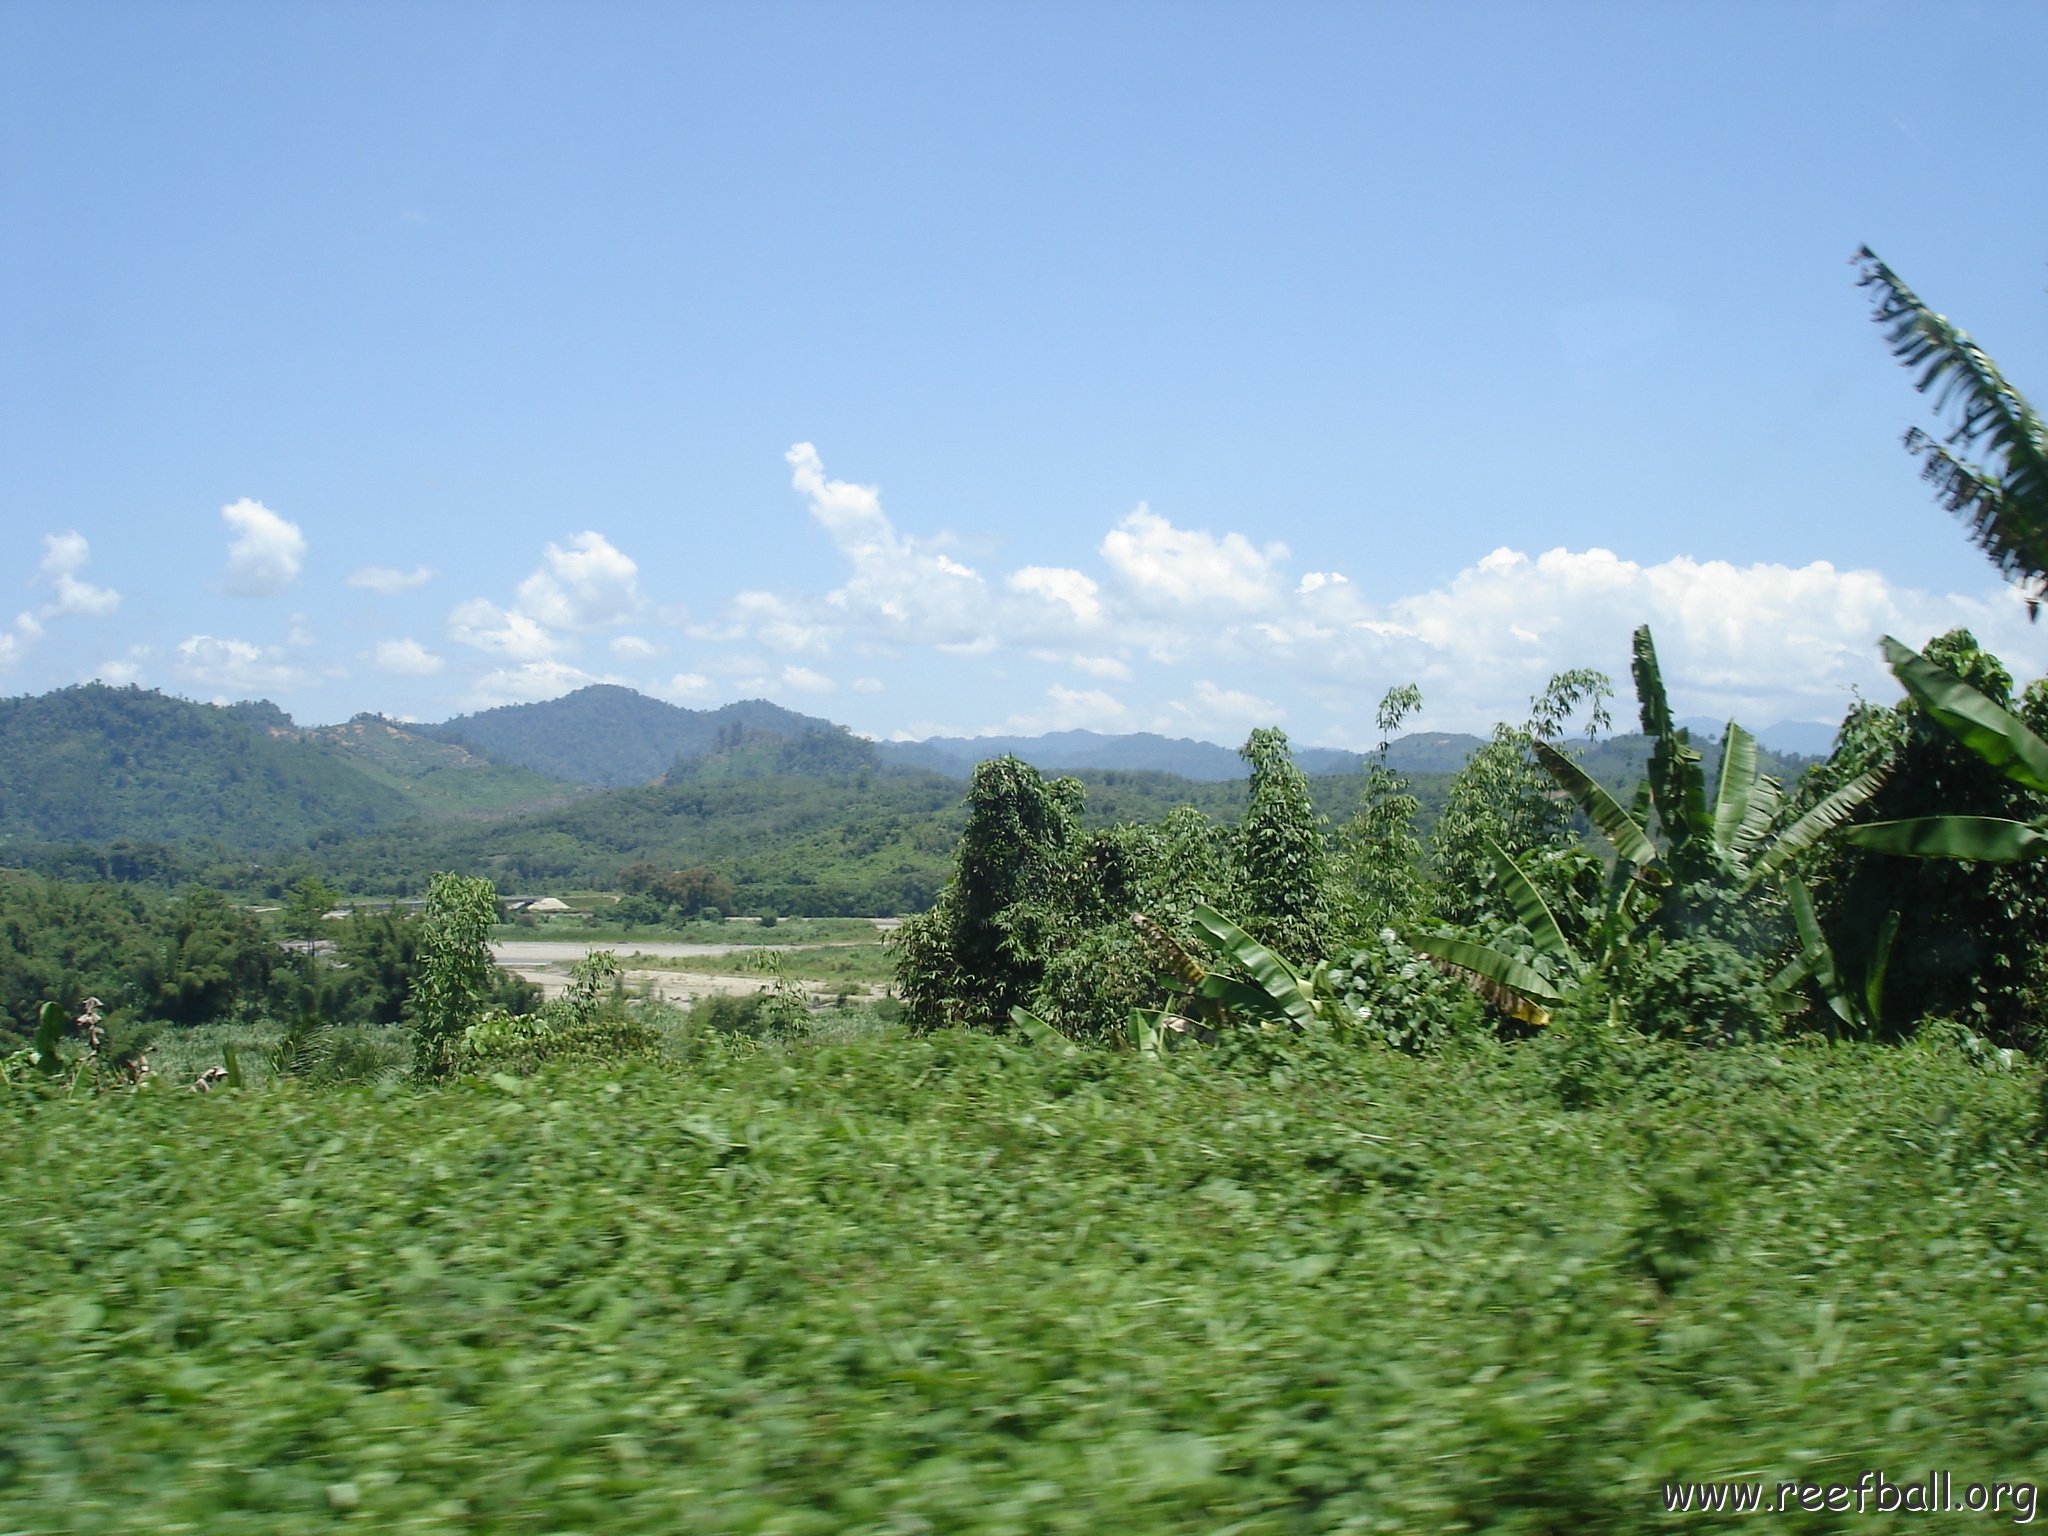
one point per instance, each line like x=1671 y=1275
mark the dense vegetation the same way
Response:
x=957 y=1284
x=611 y=737
x=94 y=763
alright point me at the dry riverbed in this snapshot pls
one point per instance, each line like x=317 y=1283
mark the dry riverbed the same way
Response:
x=546 y=964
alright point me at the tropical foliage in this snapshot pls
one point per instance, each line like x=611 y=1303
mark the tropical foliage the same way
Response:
x=2002 y=492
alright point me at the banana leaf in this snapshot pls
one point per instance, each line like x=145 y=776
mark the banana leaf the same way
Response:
x=1502 y=980
x=1282 y=983
x=1818 y=958
x=1619 y=828
x=1738 y=779
x=1531 y=910
x=1040 y=1033
x=1822 y=819
x=50 y=1026
x=1992 y=733
x=1978 y=839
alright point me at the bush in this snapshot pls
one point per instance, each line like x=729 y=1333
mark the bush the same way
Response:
x=1701 y=991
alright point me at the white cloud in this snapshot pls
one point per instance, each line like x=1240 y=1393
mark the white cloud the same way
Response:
x=64 y=556
x=266 y=553
x=390 y=582
x=1315 y=581
x=482 y=624
x=633 y=646
x=1069 y=589
x=1068 y=709
x=533 y=681
x=1180 y=566
x=899 y=588
x=1102 y=666
x=237 y=666
x=804 y=680
x=405 y=658
x=589 y=585
x=689 y=688
x=1223 y=714
x=866 y=685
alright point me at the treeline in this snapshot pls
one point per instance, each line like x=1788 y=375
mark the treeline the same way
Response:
x=1712 y=904
x=197 y=958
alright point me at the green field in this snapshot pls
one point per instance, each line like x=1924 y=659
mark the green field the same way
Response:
x=957 y=1284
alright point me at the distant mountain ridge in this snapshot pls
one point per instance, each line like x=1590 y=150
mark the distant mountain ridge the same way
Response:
x=611 y=737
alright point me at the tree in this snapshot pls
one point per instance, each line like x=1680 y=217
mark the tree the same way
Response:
x=455 y=972
x=983 y=947
x=2004 y=496
x=1969 y=805
x=1281 y=858
x=1503 y=797
x=1378 y=853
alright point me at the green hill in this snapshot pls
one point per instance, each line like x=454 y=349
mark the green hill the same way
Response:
x=94 y=763
x=441 y=778
x=611 y=737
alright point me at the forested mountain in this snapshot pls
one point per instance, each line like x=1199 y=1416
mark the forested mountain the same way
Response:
x=441 y=778
x=95 y=763
x=611 y=737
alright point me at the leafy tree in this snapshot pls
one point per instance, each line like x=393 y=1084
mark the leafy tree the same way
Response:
x=2004 y=497
x=305 y=913
x=1969 y=799
x=983 y=947
x=455 y=972
x=1282 y=862
x=1503 y=797
x=1379 y=881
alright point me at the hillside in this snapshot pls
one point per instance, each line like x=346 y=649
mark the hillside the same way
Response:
x=440 y=778
x=94 y=763
x=611 y=737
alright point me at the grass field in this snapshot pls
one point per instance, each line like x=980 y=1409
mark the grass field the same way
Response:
x=948 y=1284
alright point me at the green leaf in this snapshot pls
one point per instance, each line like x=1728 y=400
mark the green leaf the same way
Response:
x=1501 y=979
x=2004 y=501
x=1040 y=1033
x=1987 y=730
x=1531 y=910
x=1619 y=828
x=233 y=1062
x=1738 y=779
x=51 y=1022
x=1818 y=958
x=1978 y=839
x=1282 y=983
x=1880 y=962
x=1822 y=819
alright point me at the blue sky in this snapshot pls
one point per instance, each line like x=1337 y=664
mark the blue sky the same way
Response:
x=941 y=368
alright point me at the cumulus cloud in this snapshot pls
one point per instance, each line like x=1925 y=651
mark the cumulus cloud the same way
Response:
x=1160 y=563
x=689 y=688
x=533 y=681
x=387 y=580
x=866 y=685
x=633 y=645
x=804 y=680
x=237 y=666
x=1069 y=589
x=588 y=584
x=64 y=556
x=899 y=587
x=405 y=658
x=484 y=626
x=265 y=553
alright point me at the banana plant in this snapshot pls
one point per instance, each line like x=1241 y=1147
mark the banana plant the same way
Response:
x=1860 y=1007
x=1518 y=989
x=1995 y=735
x=1731 y=837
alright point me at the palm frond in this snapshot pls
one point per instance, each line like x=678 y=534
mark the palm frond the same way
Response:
x=2004 y=498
